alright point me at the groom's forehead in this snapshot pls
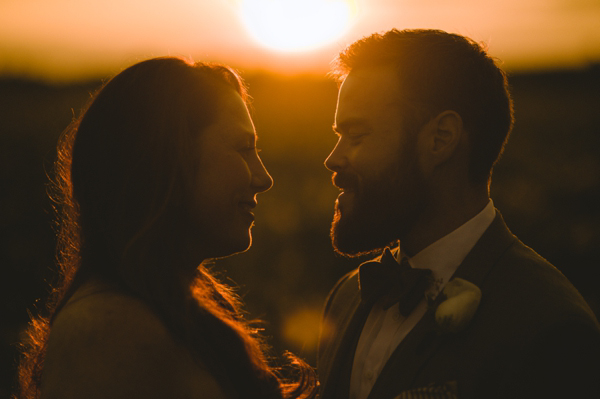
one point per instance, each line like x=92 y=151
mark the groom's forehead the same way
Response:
x=368 y=93
x=374 y=85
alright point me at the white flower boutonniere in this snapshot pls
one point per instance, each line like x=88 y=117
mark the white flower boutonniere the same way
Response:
x=461 y=299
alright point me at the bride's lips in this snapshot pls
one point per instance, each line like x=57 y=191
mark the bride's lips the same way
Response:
x=247 y=207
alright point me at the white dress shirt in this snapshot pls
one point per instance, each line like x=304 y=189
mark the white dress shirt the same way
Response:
x=385 y=329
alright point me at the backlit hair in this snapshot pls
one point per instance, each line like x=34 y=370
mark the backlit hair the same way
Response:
x=124 y=175
x=441 y=71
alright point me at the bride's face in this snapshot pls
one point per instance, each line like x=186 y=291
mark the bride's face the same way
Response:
x=230 y=174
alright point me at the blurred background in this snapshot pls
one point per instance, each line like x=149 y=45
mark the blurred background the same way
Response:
x=54 y=53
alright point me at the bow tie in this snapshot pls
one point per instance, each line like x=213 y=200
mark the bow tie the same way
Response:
x=393 y=282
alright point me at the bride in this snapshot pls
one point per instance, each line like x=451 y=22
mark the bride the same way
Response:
x=158 y=176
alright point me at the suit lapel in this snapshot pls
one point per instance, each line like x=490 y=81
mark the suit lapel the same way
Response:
x=421 y=343
x=344 y=346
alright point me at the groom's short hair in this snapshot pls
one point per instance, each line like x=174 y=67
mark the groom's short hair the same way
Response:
x=441 y=71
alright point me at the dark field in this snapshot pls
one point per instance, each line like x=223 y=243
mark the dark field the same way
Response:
x=547 y=186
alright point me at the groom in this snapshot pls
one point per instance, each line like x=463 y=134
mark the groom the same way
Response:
x=459 y=306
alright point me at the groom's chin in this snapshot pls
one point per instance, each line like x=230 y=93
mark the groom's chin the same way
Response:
x=349 y=250
x=349 y=239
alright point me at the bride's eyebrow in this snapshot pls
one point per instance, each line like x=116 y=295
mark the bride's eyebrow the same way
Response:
x=249 y=138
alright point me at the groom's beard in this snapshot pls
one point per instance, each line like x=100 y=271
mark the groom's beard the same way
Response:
x=380 y=211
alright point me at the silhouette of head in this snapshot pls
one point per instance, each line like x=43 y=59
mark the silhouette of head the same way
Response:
x=392 y=85
x=159 y=173
x=140 y=174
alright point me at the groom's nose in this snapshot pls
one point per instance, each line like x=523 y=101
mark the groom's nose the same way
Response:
x=336 y=160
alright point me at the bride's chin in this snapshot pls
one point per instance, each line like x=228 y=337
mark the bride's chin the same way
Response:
x=239 y=245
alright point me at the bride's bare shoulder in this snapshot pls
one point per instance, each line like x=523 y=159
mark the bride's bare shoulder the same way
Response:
x=107 y=344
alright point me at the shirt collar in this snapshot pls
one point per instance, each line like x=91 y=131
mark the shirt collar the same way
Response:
x=445 y=255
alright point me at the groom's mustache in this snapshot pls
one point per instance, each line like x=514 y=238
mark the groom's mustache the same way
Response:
x=345 y=181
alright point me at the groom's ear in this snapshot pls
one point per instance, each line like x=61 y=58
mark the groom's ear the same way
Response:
x=440 y=138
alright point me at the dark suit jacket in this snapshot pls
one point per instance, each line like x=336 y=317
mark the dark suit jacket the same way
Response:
x=533 y=334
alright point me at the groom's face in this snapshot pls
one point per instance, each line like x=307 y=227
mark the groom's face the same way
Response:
x=375 y=164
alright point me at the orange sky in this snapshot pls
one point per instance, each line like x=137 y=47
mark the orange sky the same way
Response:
x=74 y=39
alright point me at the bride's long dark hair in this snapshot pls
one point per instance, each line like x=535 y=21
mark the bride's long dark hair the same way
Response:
x=123 y=174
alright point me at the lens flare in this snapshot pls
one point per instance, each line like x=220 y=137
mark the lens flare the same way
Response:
x=301 y=327
x=296 y=25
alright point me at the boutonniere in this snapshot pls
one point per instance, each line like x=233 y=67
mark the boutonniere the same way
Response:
x=459 y=302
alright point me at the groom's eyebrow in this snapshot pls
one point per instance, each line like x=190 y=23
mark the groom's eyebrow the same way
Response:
x=348 y=124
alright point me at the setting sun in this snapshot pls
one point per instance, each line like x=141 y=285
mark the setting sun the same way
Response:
x=296 y=25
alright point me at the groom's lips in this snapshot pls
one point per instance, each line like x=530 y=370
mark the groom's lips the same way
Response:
x=345 y=198
x=347 y=184
x=343 y=182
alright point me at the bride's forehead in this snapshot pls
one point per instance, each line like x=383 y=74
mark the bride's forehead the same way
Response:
x=233 y=124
